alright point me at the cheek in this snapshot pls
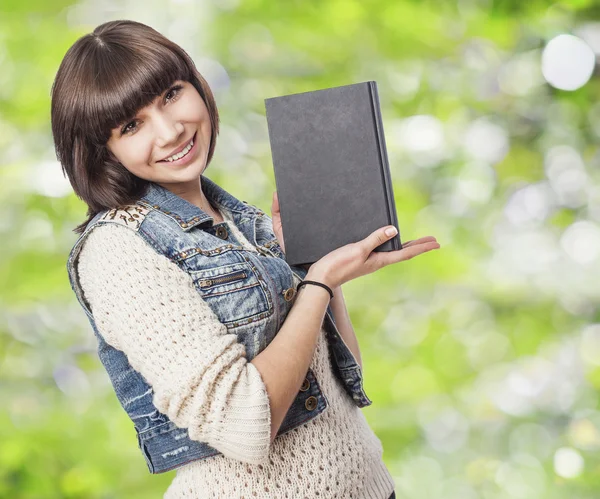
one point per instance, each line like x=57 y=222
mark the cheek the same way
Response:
x=135 y=154
x=205 y=124
x=196 y=110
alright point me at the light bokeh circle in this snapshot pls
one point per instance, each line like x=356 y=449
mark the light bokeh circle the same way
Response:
x=567 y=62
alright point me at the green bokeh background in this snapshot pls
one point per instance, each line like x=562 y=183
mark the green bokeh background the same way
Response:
x=482 y=359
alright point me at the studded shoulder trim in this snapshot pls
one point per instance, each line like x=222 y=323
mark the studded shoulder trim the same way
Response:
x=131 y=216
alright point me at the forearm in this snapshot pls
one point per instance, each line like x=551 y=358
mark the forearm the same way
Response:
x=344 y=324
x=283 y=364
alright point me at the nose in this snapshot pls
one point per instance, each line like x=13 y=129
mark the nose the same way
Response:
x=168 y=131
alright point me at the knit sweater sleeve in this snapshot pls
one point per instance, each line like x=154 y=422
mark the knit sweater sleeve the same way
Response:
x=146 y=306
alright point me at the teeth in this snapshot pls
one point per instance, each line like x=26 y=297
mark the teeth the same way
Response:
x=180 y=155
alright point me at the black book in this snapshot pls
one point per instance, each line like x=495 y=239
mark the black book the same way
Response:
x=331 y=169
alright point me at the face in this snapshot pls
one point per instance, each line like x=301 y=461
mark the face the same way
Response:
x=155 y=144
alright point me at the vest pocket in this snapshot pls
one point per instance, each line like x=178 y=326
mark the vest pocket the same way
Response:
x=206 y=284
x=234 y=292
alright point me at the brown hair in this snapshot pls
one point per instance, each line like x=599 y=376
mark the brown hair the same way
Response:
x=105 y=78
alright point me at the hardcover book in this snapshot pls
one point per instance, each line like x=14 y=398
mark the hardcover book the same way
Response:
x=331 y=169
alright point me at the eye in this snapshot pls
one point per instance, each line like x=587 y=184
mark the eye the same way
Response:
x=173 y=93
x=126 y=128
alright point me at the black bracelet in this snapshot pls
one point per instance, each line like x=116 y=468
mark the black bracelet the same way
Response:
x=318 y=284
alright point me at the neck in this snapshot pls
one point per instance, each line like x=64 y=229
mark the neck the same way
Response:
x=192 y=192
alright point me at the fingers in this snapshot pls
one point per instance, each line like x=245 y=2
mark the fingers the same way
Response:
x=418 y=241
x=406 y=253
x=383 y=258
x=379 y=237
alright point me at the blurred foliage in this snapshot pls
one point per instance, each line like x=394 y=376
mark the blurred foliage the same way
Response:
x=482 y=359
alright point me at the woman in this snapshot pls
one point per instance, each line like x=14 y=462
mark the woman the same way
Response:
x=189 y=295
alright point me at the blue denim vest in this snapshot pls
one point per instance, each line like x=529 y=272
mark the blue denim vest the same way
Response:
x=250 y=292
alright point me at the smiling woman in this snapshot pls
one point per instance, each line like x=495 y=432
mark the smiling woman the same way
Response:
x=124 y=99
x=231 y=371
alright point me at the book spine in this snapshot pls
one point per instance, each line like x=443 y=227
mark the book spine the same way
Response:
x=383 y=163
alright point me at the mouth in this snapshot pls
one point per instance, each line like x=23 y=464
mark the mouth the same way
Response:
x=183 y=156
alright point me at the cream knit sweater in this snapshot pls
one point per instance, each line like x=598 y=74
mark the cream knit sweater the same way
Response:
x=146 y=306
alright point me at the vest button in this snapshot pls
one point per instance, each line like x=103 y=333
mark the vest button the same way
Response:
x=311 y=403
x=289 y=293
x=305 y=385
x=221 y=232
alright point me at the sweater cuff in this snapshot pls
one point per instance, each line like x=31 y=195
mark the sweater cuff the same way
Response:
x=244 y=428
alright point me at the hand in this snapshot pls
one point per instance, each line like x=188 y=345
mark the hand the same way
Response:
x=277 y=228
x=357 y=259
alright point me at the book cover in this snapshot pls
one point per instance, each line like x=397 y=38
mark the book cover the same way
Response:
x=331 y=169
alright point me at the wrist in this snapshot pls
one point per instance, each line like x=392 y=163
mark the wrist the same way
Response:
x=316 y=284
x=320 y=275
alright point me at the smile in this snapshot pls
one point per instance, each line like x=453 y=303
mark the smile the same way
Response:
x=183 y=153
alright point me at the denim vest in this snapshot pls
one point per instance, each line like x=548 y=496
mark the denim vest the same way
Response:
x=250 y=292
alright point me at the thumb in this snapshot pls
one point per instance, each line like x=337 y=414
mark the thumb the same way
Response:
x=380 y=236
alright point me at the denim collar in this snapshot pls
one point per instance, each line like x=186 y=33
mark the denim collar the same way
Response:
x=188 y=215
